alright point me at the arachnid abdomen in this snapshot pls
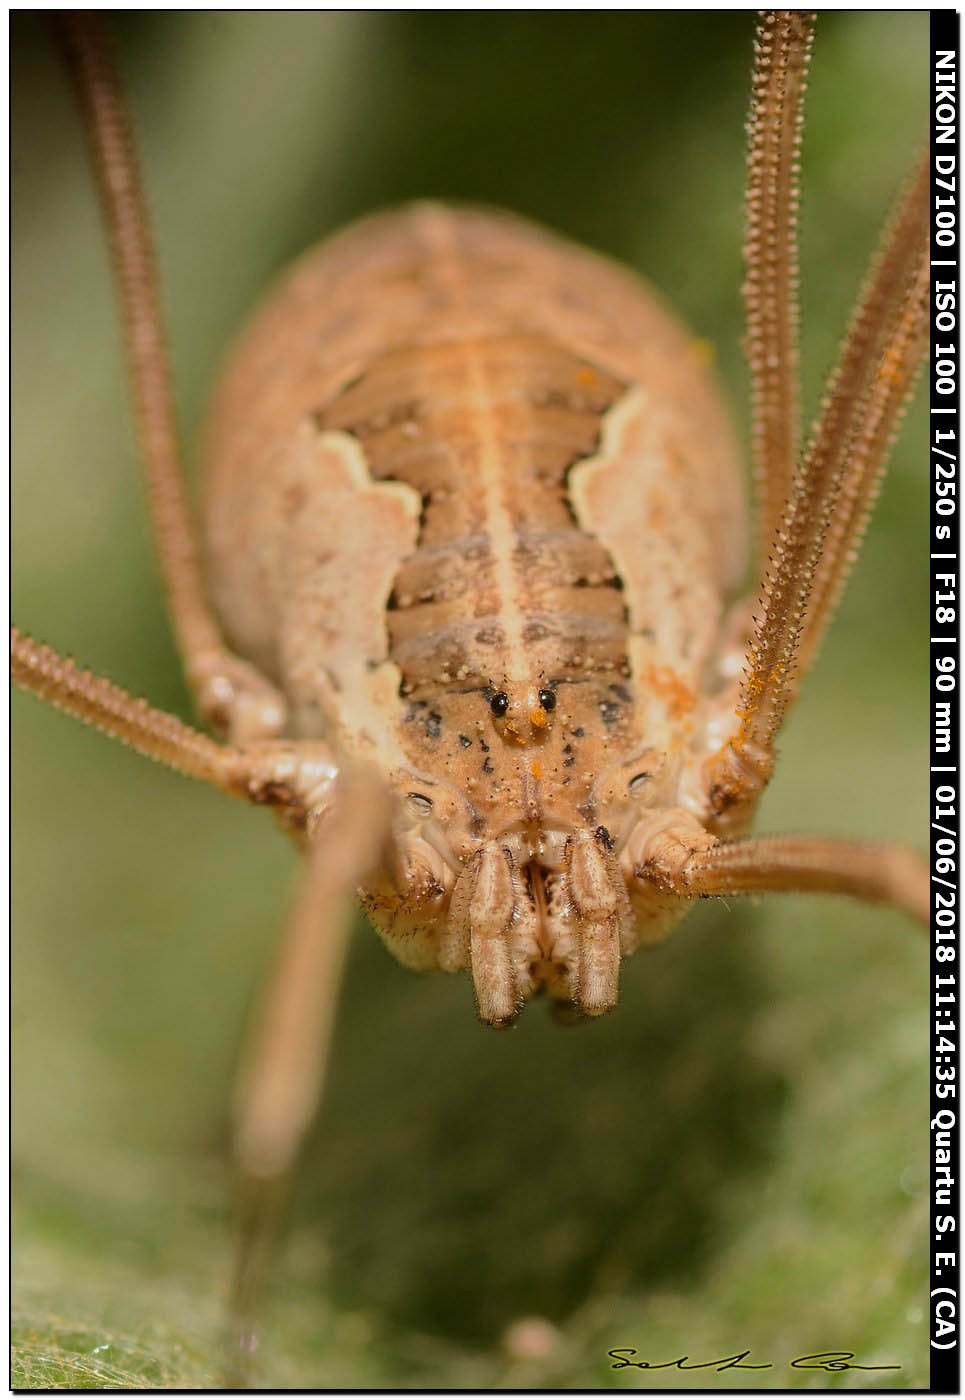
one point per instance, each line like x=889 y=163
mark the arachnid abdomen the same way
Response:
x=459 y=468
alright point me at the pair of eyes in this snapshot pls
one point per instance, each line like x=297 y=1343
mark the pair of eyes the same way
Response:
x=499 y=704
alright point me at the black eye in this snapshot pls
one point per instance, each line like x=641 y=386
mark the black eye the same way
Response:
x=499 y=704
x=547 y=698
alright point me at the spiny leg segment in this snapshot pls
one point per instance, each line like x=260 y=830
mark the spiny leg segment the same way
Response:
x=99 y=702
x=812 y=522
x=266 y=773
x=791 y=617
x=864 y=450
x=782 y=50
x=832 y=490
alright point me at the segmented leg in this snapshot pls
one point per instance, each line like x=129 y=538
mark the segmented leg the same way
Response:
x=284 y=1068
x=781 y=55
x=677 y=857
x=230 y=694
x=109 y=708
x=860 y=454
x=270 y=773
x=784 y=614
x=791 y=617
x=831 y=496
x=885 y=874
x=349 y=829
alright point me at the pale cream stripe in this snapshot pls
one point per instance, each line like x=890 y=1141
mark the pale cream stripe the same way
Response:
x=436 y=227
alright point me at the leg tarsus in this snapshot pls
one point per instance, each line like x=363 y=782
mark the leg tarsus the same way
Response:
x=257 y=1206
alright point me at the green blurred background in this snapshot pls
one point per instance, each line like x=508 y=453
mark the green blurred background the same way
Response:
x=736 y=1157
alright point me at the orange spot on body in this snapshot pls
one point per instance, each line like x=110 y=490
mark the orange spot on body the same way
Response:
x=538 y=719
x=536 y=770
x=667 y=685
x=586 y=376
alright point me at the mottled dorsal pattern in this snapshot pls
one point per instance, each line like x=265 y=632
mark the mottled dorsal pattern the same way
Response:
x=503 y=576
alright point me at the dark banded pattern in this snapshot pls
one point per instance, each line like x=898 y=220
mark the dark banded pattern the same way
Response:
x=416 y=414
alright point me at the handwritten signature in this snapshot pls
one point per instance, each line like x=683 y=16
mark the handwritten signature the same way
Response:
x=813 y=1361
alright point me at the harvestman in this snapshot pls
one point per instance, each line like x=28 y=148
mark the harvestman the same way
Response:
x=472 y=523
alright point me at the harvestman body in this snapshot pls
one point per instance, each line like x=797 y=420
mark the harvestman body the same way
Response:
x=473 y=518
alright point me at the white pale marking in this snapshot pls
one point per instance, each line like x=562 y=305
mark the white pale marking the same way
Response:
x=366 y=707
x=352 y=456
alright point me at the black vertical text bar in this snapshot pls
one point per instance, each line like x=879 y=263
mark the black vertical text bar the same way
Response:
x=944 y=445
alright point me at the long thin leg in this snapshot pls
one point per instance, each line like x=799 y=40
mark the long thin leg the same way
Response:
x=812 y=523
x=822 y=522
x=284 y=1068
x=886 y=874
x=109 y=708
x=781 y=55
x=290 y=778
x=229 y=693
x=349 y=833
x=800 y=543
x=900 y=257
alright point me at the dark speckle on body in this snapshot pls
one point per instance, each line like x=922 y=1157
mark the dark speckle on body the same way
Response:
x=418 y=712
x=610 y=711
